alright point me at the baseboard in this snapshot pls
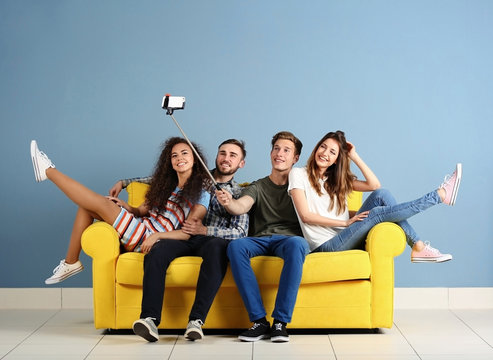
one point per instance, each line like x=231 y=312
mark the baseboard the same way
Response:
x=443 y=298
x=46 y=298
x=404 y=298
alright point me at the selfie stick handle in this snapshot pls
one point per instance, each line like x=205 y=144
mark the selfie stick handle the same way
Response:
x=170 y=113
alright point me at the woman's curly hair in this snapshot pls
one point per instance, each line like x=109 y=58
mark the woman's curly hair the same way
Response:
x=165 y=180
x=339 y=178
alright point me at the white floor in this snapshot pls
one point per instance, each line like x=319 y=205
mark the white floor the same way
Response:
x=417 y=334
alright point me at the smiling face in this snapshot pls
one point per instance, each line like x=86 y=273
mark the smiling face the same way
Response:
x=182 y=159
x=326 y=154
x=283 y=155
x=229 y=159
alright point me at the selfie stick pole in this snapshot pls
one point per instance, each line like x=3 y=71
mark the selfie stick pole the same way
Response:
x=170 y=113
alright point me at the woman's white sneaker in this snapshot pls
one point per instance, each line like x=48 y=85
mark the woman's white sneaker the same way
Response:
x=64 y=271
x=41 y=162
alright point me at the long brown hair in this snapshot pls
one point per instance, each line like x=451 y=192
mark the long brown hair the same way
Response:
x=165 y=180
x=339 y=178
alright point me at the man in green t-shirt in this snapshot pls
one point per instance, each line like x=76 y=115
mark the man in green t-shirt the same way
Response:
x=274 y=230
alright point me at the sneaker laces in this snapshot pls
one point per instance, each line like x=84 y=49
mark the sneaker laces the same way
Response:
x=430 y=248
x=197 y=323
x=447 y=179
x=61 y=265
x=150 y=320
x=255 y=325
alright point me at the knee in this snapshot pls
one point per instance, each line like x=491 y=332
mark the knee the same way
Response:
x=216 y=247
x=297 y=246
x=382 y=193
x=158 y=255
x=235 y=249
x=217 y=243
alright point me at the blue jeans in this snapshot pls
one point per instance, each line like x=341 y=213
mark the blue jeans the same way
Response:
x=292 y=249
x=382 y=207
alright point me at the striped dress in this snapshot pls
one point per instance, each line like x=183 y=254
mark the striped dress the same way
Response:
x=133 y=230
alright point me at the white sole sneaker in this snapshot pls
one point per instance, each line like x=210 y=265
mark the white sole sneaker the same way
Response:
x=142 y=328
x=193 y=334
x=457 y=184
x=445 y=257
x=253 y=339
x=34 y=150
x=64 y=271
x=41 y=162
x=279 y=339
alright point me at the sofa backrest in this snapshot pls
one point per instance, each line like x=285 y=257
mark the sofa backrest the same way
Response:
x=136 y=195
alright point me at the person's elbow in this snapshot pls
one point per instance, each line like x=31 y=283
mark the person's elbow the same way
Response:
x=376 y=186
x=305 y=219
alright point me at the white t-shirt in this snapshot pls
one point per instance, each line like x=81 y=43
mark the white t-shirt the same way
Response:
x=315 y=235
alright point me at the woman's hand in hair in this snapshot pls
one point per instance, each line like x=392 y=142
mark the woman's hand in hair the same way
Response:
x=351 y=149
x=358 y=217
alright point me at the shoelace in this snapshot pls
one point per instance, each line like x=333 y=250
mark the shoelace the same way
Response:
x=43 y=155
x=430 y=248
x=197 y=323
x=255 y=325
x=447 y=179
x=62 y=262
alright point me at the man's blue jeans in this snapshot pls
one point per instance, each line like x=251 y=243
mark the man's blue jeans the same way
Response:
x=292 y=249
x=382 y=207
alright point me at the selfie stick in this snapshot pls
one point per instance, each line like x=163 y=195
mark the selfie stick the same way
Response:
x=169 y=111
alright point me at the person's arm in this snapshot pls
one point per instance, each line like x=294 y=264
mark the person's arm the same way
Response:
x=311 y=218
x=198 y=211
x=122 y=184
x=233 y=227
x=371 y=181
x=234 y=206
x=218 y=222
x=237 y=228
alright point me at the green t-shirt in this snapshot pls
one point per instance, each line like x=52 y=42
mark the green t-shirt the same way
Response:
x=273 y=211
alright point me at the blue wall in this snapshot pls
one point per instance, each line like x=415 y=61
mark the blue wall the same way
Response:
x=410 y=82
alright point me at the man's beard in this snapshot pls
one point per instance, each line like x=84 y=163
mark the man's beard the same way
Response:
x=222 y=173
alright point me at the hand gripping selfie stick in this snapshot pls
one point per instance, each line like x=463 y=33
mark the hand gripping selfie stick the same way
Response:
x=172 y=103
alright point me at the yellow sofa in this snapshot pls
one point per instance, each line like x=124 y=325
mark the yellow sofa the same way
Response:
x=348 y=289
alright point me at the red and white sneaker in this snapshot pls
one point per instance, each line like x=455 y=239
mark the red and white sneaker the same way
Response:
x=451 y=185
x=429 y=255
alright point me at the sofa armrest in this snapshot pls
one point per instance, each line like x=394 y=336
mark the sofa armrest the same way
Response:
x=100 y=241
x=384 y=242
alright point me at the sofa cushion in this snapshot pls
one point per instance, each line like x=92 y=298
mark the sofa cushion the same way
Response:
x=318 y=268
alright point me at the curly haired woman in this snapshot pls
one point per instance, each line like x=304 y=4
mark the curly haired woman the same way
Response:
x=178 y=190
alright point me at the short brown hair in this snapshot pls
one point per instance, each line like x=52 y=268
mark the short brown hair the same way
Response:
x=239 y=143
x=286 y=135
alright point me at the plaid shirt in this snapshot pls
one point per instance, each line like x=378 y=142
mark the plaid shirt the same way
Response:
x=218 y=221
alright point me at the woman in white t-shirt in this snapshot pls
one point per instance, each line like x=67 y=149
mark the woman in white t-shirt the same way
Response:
x=319 y=192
